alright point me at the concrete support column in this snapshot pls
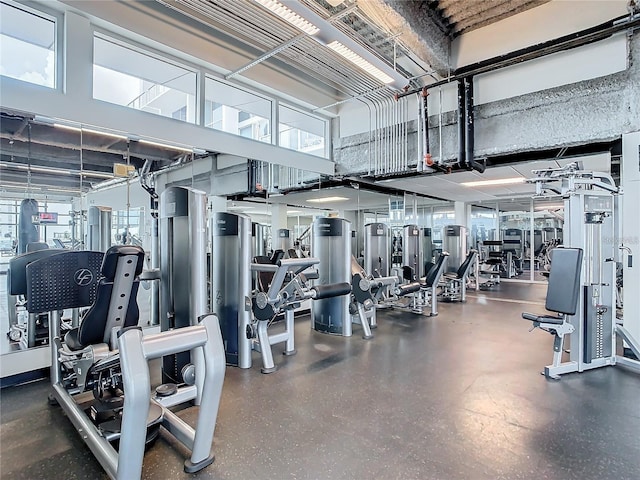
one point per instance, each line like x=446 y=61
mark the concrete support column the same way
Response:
x=461 y=213
x=278 y=217
x=218 y=204
x=78 y=57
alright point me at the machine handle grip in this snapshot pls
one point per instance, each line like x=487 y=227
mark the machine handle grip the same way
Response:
x=403 y=290
x=332 y=290
x=313 y=275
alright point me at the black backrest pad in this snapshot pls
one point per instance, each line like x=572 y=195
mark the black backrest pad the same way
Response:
x=17 y=271
x=114 y=253
x=92 y=328
x=434 y=271
x=277 y=256
x=564 y=280
x=264 y=278
x=464 y=268
x=119 y=282
x=65 y=280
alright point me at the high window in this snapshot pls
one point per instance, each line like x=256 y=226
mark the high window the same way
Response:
x=237 y=111
x=27 y=46
x=301 y=132
x=130 y=77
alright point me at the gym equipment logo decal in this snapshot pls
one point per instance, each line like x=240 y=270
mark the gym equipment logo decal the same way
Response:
x=83 y=277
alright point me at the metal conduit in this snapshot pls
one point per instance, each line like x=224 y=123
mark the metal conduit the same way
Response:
x=364 y=100
x=238 y=23
x=380 y=144
x=419 y=133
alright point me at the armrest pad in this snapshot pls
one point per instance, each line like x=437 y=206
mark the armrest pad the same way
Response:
x=552 y=319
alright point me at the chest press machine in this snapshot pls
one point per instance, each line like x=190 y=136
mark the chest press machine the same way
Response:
x=107 y=355
x=581 y=290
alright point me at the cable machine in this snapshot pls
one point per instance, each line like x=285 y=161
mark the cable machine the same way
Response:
x=589 y=227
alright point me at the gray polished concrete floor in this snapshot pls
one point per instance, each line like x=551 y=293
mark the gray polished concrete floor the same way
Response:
x=457 y=396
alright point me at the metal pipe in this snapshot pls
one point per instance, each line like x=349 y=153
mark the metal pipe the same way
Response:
x=461 y=117
x=424 y=95
x=468 y=114
x=178 y=427
x=174 y=341
x=440 y=125
x=420 y=136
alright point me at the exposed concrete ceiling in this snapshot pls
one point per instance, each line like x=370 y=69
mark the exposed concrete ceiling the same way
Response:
x=462 y=16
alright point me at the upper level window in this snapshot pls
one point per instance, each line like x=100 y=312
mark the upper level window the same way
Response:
x=302 y=132
x=128 y=77
x=27 y=46
x=237 y=111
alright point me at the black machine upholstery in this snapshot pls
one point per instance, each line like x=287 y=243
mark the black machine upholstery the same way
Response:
x=466 y=265
x=94 y=323
x=564 y=280
x=17 y=271
x=276 y=256
x=408 y=273
x=264 y=278
x=432 y=273
x=563 y=290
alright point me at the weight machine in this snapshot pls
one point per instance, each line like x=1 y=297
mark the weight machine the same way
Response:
x=589 y=227
x=283 y=287
x=92 y=365
x=366 y=293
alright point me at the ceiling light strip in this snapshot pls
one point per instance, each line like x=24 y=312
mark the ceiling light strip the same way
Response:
x=165 y=145
x=327 y=199
x=288 y=15
x=489 y=183
x=360 y=62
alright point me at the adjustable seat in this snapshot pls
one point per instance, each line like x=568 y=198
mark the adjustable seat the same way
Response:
x=455 y=284
x=563 y=292
x=115 y=304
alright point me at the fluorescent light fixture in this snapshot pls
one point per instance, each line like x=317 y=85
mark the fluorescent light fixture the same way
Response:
x=360 y=62
x=90 y=130
x=548 y=207
x=293 y=18
x=489 y=183
x=240 y=208
x=106 y=134
x=327 y=199
x=96 y=174
x=294 y=212
x=166 y=145
x=65 y=190
x=67 y=127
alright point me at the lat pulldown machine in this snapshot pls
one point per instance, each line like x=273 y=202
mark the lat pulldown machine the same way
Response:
x=588 y=316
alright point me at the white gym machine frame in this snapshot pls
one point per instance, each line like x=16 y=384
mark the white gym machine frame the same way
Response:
x=589 y=211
